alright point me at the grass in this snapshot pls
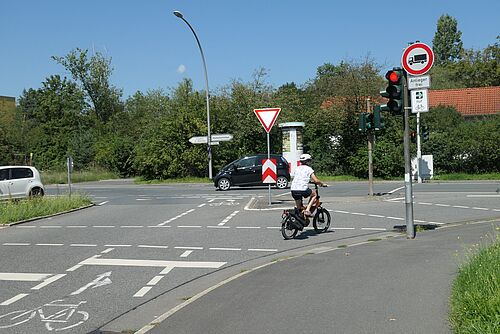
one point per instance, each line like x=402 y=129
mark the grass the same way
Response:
x=61 y=177
x=18 y=210
x=475 y=299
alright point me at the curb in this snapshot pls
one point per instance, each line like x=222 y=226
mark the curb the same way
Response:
x=48 y=216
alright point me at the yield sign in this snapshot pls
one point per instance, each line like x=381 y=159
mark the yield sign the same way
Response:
x=267 y=117
x=268 y=170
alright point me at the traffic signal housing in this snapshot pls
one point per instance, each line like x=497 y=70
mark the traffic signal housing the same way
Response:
x=425 y=133
x=394 y=92
x=378 y=120
x=365 y=122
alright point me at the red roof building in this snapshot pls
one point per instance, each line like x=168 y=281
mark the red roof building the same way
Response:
x=468 y=101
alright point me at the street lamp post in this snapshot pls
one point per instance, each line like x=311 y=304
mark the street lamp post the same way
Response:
x=209 y=147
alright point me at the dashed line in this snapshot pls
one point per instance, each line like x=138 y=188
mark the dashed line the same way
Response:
x=152 y=246
x=461 y=206
x=117 y=245
x=142 y=291
x=47 y=281
x=476 y=208
x=102 y=203
x=50 y=226
x=424 y=203
x=224 y=249
x=49 y=244
x=104 y=226
x=261 y=250
x=176 y=217
x=189 y=226
x=14 y=299
x=376 y=216
x=16 y=244
x=155 y=280
x=202 y=205
x=248 y=227
x=446 y=205
x=186 y=253
x=228 y=218
x=107 y=250
x=132 y=226
x=77 y=226
x=83 y=245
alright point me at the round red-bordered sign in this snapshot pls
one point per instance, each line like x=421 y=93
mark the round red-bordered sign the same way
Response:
x=417 y=59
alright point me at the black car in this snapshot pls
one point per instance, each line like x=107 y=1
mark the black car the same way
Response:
x=247 y=171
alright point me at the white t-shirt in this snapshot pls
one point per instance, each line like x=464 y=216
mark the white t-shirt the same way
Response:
x=301 y=178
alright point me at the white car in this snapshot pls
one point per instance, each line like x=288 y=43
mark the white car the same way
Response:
x=20 y=182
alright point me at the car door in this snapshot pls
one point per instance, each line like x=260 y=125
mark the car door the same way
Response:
x=4 y=183
x=20 y=178
x=244 y=171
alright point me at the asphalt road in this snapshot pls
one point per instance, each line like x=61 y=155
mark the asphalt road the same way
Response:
x=144 y=249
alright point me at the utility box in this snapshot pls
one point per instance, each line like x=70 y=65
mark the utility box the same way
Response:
x=293 y=145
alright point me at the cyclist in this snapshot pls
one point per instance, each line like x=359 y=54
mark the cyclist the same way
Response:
x=300 y=184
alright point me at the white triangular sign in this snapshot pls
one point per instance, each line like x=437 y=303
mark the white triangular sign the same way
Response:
x=267 y=117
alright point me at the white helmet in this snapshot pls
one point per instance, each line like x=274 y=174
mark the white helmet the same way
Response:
x=305 y=157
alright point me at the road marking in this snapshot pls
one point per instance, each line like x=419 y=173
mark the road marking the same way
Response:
x=358 y=214
x=16 y=244
x=155 y=280
x=176 y=217
x=102 y=203
x=50 y=226
x=373 y=229
x=14 y=299
x=26 y=226
x=261 y=250
x=248 y=227
x=142 y=291
x=394 y=190
x=344 y=228
x=93 y=261
x=186 y=253
x=224 y=249
x=396 y=218
x=192 y=248
x=376 y=216
x=202 y=205
x=476 y=208
x=340 y=211
x=228 y=218
x=74 y=267
x=23 y=277
x=101 y=280
x=117 y=245
x=49 y=244
x=461 y=206
x=83 y=245
x=489 y=195
x=222 y=226
x=77 y=226
x=107 y=250
x=442 y=204
x=104 y=226
x=47 y=281
x=424 y=203
x=189 y=226
x=152 y=246
x=166 y=270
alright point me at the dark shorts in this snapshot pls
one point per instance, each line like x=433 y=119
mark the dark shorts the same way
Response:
x=300 y=194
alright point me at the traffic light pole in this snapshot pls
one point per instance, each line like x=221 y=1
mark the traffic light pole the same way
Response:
x=410 y=228
x=370 y=151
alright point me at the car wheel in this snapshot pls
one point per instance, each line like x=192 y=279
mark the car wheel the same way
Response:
x=224 y=184
x=36 y=192
x=281 y=182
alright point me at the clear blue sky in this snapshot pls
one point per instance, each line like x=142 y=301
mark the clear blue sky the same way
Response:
x=151 y=48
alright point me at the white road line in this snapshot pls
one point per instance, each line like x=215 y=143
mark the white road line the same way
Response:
x=395 y=199
x=224 y=249
x=152 y=246
x=117 y=245
x=131 y=226
x=16 y=244
x=23 y=277
x=496 y=209
x=74 y=267
x=176 y=217
x=192 y=248
x=93 y=261
x=83 y=245
x=395 y=218
x=202 y=205
x=47 y=281
x=14 y=299
x=26 y=226
x=476 y=208
x=373 y=229
x=376 y=216
x=102 y=203
x=142 y=291
x=106 y=251
x=274 y=227
x=50 y=226
x=394 y=190
x=104 y=226
x=442 y=204
x=261 y=250
x=76 y=226
x=344 y=228
x=461 y=206
x=248 y=227
x=221 y=226
x=166 y=270
x=340 y=211
x=189 y=226
x=155 y=280
x=228 y=218
x=186 y=253
x=358 y=214
x=489 y=195
x=49 y=244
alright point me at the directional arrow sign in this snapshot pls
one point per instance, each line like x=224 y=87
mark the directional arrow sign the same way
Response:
x=215 y=139
x=268 y=170
x=267 y=117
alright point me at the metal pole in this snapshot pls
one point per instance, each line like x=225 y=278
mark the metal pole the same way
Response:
x=209 y=139
x=370 y=150
x=419 y=150
x=269 y=157
x=410 y=228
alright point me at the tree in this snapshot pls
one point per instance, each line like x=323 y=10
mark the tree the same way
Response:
x=447 y=43
x=94 y=74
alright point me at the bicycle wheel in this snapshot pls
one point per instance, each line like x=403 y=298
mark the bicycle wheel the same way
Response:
x=288 y=230
x=82 y=317
x=16 y=318
x=321 y=220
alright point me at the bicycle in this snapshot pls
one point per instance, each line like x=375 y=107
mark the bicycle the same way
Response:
x=294 y=220
x=52 y=321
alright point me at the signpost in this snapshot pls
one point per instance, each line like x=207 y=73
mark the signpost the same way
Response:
x=214 y=139
x=267 y=118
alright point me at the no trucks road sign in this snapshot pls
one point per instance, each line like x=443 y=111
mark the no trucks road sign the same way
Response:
x=417 y=59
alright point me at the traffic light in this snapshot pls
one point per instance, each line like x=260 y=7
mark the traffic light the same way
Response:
x=413 y=136
x=394 y=92
x=365 y=122
x=425 y=133
x=378 y=120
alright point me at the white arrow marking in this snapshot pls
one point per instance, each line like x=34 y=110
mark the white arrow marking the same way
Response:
x=101 y=280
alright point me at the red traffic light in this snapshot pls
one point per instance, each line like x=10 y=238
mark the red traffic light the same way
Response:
x=393 y=76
